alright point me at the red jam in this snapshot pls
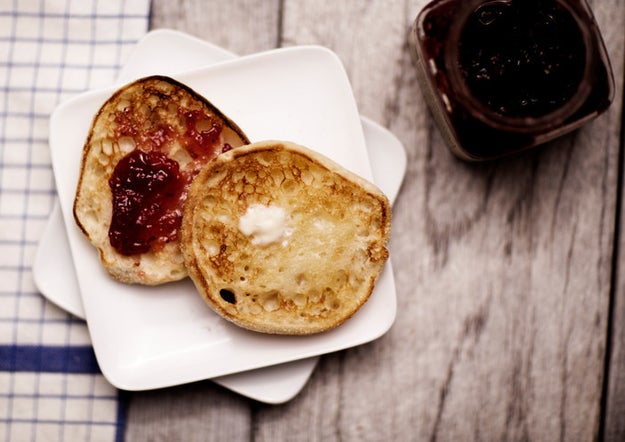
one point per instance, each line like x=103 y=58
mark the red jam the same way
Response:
x=522 y=59
x=148 y=187
x=202 y=134
x=148 y=193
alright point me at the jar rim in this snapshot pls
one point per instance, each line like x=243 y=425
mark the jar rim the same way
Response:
x=493 y=118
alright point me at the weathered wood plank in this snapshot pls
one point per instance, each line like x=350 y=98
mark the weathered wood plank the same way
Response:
x=241 y=26
x=196 y=412
x=347 y=398
x=614 y=429
x=612 y=17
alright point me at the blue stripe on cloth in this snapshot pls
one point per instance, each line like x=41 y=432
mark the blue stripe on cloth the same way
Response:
x=50 y=359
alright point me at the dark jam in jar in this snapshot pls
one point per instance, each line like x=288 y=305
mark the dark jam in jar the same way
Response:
x=503 y=76
x=147 y=186
x=522 y=61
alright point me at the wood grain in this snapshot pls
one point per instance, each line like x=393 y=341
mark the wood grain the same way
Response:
x=504 y=270
x=613 y=26
x=241 y=26
x=196 y=412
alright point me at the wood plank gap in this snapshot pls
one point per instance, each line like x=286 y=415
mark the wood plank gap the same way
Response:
x=280 y=33
x=613 y=277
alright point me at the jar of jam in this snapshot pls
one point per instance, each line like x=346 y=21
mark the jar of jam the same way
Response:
x=503 y=76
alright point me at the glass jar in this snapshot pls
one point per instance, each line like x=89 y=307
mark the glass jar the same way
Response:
x=503 y=76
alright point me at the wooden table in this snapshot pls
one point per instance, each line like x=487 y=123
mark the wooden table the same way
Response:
x=510 y=275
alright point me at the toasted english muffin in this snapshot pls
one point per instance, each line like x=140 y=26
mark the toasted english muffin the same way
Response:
x=280 y=239
x=146 y=144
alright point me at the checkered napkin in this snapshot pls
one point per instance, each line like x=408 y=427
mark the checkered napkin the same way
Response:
x=50 y=384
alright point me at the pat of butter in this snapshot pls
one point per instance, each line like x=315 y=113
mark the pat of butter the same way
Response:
x=265 y=224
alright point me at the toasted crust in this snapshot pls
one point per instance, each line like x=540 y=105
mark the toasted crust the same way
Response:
x=154 y=102
x=313 y=276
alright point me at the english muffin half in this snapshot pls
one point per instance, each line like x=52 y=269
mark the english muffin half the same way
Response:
x=280 y=239
x=146 y=144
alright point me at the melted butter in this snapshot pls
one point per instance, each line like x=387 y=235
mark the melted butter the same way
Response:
x=265 y=224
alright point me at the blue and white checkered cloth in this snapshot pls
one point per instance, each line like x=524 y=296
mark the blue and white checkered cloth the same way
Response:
x=50 y=384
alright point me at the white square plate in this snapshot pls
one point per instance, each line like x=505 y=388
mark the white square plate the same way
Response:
x=156 y=337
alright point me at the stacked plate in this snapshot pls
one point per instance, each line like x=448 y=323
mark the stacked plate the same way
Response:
x=154 y=337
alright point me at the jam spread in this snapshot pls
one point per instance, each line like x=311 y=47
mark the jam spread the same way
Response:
x=523 y=58
x=148 y=187
x=502 y=76
x=201 y=134
x=148 y=193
